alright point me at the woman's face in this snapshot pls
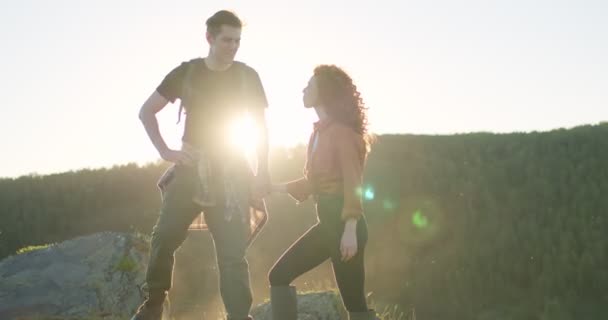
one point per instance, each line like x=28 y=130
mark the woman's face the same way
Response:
x=311 y=94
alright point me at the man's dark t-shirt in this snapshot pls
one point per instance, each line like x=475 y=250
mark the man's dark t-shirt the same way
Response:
x=216 y=99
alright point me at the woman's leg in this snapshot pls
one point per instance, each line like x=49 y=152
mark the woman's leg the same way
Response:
x=350 y=278
x=306 y=253
x=309 y=251
x=350 y=275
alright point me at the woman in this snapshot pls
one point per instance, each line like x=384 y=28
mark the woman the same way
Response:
x=332 y=176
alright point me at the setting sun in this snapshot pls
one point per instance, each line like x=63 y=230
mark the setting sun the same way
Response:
x=243 y=134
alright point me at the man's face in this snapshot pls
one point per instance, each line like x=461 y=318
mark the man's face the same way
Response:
x=225 y=44
x=310 y=95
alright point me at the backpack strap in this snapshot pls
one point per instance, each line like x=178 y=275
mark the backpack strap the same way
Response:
x=242 y=77
x=186 y=88
x=187 y=84
x=244 y=80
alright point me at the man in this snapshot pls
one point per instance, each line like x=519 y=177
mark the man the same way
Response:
x=208 y=175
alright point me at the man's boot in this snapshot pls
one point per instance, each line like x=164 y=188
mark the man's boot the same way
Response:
x=152 y=308
x=367 y=315
x=284 y=303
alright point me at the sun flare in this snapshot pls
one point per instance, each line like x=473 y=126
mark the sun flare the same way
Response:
x=243 y=135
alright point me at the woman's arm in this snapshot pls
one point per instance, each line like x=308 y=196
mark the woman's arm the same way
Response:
x=349 y=152
x=299 y=189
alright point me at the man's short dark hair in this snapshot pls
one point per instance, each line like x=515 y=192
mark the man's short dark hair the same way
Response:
x=220 y=18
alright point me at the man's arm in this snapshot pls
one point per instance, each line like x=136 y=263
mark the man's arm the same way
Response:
x=147 y=115
x=256 y=99
x=259 y=118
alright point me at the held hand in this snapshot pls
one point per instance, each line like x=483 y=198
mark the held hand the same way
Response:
x=278 y=188
x=348 y=244
x=261 y=186
x=177 y=157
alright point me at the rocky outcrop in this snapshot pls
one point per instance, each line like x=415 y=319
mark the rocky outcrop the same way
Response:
x=87 y=277
x=311 y=306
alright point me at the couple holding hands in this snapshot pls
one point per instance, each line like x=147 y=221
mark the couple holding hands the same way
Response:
x=209 y=177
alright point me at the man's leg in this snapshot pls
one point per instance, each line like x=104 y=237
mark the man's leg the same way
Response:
x=230 y=240
x=168 y=234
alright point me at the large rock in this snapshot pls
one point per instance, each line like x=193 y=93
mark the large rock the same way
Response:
x=100 y=277
x=311 y=306
x=93 y=276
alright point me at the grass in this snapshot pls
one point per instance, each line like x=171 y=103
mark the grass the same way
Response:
x=395 y=313
x=33 y=248
x=126 y=264
x=64 y=318
x=384 y=311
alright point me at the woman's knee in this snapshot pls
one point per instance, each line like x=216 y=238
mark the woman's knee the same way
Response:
x=278 y=277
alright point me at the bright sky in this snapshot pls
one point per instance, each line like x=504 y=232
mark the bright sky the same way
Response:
x=74 y=73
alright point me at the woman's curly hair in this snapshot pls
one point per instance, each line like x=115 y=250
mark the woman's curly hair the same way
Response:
x=342 y=100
